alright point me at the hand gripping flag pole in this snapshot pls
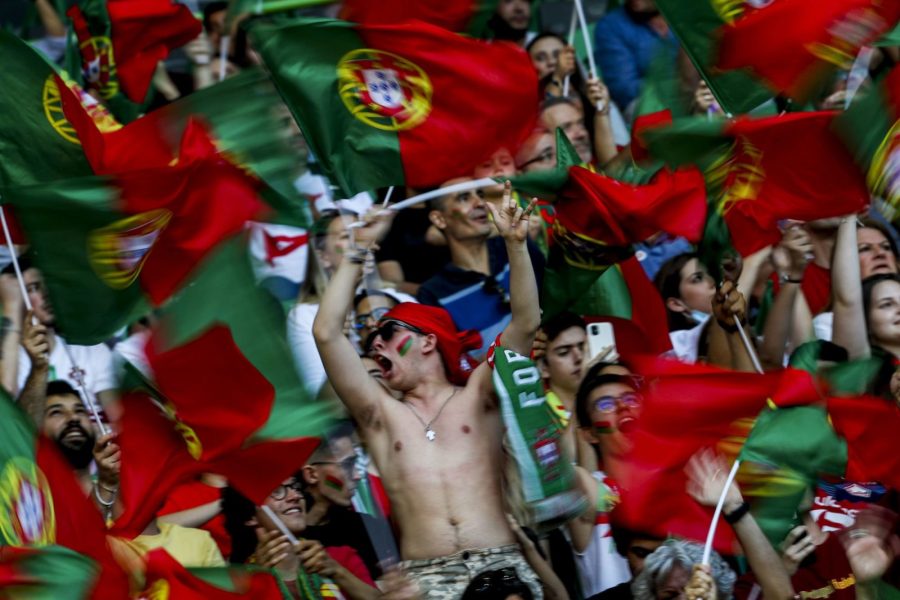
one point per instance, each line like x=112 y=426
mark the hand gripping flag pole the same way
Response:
x=79 y=377
x=585 y=35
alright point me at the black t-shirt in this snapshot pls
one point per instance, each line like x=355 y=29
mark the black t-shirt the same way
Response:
x=405 y=243
x=345 y=527
x=618 y=592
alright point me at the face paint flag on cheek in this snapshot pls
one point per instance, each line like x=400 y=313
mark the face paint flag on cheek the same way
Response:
x=405 y=345
x=334 y=483
x=603 y=427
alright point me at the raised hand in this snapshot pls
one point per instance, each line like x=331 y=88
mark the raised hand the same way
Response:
x=707 y=474
x=701 y=586
x=35 y=341
x=510 y=219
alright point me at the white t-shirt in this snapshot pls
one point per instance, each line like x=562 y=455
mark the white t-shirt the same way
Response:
x=685 y=343
x=95 y=361
x=303 y=346
x=600 y=566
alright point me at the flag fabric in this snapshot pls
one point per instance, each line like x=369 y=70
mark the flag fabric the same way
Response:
x=686 y=408
x=794 y=45
x=374 y=102
x=462 y=16
x=791 y=166
x=245 y=116
x=869 y=426
x=122 y=41
x=111 y=246
x=36 y=142
x=45 y=573
x=41 y=505
x=220 y=323
x=871 y=130
x=695 y=23
x=166 y=578
x=280 y=256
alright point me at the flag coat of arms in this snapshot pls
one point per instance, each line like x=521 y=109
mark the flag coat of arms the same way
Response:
x=409 y=104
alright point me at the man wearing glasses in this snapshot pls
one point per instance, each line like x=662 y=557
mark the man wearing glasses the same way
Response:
x=607 y=406
x=439 y=448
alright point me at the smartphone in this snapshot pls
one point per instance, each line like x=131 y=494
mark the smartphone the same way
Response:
x=600 y=337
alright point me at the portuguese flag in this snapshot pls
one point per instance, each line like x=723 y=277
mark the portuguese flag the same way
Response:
x=121 y=42
x=42 y=506
x=255 y=426
x=870 y=128
x=409 y=104
x=242 y=113
x=165 y=575
x=111 y=246
x=695 y=23
x=687 y=408
x=45 y=573
x=795 y=45
x=463 y=16
x=791 y=166
x=36 y=142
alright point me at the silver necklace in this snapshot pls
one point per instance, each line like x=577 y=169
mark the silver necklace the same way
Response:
x=430 y=435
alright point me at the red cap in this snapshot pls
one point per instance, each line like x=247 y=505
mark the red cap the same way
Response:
x=451 y=343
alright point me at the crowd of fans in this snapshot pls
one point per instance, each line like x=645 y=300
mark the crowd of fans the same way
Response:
x=408 y=498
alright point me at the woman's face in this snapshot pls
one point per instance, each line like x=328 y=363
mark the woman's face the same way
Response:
x=884 y=313
x=672 y=588
x=875 y=253
x=697 y=288
x=544 y=55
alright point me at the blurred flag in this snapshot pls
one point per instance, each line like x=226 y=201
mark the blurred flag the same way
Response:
x=462 y=16
x=45 y=573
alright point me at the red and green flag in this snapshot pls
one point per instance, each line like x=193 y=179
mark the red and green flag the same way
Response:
x=42 y=505
x=121 y=42
x=409 y=104
x=761 y=171
x=793 y=46
x=687 y=408
x=110 y=247
x=226 y=397
x=37 y=144
x=45 y=573
x=165 y=574
x=871 y=130
x=462 y=16
x=695 y=23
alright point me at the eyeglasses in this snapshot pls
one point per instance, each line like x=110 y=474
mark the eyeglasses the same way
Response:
x=348 y=464
x=359 y=322
x=607 y=404
x=281 y=492
x=387 y=330
x=546 y=155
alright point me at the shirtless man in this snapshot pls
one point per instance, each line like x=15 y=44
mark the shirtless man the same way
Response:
x=438 y=449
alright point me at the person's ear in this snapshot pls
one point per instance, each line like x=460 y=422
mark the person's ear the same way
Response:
x=251 y=522
x=676 y=305
x=310 y=475
x=429 y=343
x=542 y=365
x=437 y=219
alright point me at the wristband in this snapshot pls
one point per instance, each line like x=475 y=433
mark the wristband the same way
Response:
x=789 y=279
x=737 y=514
x=357 y=255
x=728 y=328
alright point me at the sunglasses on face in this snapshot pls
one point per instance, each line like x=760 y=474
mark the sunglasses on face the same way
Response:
x=359 y=322
x=386 y=331
x=607 y=404
x=348 y=464
x=281 y=492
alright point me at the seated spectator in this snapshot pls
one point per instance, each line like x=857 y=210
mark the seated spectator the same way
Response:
x=626 y=41
x=256 y=538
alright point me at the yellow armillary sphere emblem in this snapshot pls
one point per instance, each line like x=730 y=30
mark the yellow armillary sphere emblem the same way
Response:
x=99 y=66
x=884 y=173
x=53 y=110
x=26 y=505
x=384 y=90
x=118 y=251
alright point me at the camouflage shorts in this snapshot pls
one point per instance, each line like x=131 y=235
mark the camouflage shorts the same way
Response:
x=447 y=577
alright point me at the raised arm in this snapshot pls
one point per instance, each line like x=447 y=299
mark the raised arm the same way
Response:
x=849 y=320
x=359 y=392
x=706 y=481
x=512 y=223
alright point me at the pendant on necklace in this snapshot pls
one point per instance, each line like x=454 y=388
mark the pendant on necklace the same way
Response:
x=430 y=434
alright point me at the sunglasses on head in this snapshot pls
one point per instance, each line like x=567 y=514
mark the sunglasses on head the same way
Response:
x=387 y=330
x=359 y=321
